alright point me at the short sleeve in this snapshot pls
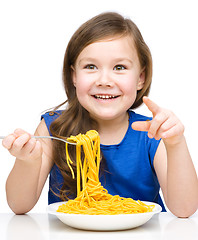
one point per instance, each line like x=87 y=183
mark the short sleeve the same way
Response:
x=49 y=117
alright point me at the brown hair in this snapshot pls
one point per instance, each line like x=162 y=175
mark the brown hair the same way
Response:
x=75 y=119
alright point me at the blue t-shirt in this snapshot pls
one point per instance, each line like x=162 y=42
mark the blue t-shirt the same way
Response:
x=129 y=170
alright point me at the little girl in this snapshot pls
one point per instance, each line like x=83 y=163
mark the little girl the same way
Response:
x=107 y=72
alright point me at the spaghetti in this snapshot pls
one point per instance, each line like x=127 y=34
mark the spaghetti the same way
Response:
x=92 y=198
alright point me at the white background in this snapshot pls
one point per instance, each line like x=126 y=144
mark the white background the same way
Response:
x=34 y=35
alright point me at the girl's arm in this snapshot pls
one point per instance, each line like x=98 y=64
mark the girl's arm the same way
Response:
x=177 y=178
x=173 y=163
x=32 y=166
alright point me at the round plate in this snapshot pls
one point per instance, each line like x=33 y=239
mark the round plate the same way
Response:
x=103 y=222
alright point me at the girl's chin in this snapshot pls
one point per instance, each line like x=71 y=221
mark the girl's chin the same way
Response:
x=106 y=116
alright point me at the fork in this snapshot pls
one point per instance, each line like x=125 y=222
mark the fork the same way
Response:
x=50 y=137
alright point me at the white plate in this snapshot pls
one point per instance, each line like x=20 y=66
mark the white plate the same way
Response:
x=103 y=222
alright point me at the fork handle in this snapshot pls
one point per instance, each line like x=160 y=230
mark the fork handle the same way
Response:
x=50 y=137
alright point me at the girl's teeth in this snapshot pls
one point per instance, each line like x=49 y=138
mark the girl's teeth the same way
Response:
x=104 y=96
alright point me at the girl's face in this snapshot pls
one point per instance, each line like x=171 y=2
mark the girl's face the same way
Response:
x=107 y=75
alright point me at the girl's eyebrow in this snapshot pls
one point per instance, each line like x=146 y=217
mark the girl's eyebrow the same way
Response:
x=85 y=59
x=114 y=60
x=123 y=59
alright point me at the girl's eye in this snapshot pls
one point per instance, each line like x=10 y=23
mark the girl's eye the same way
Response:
x=119 y=67
x=90 y=66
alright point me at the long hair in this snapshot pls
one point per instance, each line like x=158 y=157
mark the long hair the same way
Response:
x=75 y=119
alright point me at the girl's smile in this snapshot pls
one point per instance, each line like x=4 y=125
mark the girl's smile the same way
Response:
x=107 y=75
x=105 y=96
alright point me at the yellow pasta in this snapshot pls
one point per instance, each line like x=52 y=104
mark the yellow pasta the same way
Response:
x=92 y=198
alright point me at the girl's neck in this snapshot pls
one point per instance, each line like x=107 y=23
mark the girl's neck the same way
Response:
x=113 y=131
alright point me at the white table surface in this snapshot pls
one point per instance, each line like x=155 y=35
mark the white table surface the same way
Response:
x=37 y=226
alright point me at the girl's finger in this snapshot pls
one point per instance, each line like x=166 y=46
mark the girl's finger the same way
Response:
x=141 y=125
x=156 y=124
x=152 y=106
x=175 y=131
x=18 y=132
x=8 y=141
x=30 y=145
x=163 y=128
x=19 y=143
x=168 y=124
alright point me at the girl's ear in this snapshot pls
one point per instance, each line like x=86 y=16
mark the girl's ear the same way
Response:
x=73 y=75
x=141 y=80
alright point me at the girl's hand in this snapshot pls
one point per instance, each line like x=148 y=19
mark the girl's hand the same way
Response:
x=164 y=124
x=22 y=146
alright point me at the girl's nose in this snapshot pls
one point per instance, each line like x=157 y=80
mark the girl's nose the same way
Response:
x=104 y=80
